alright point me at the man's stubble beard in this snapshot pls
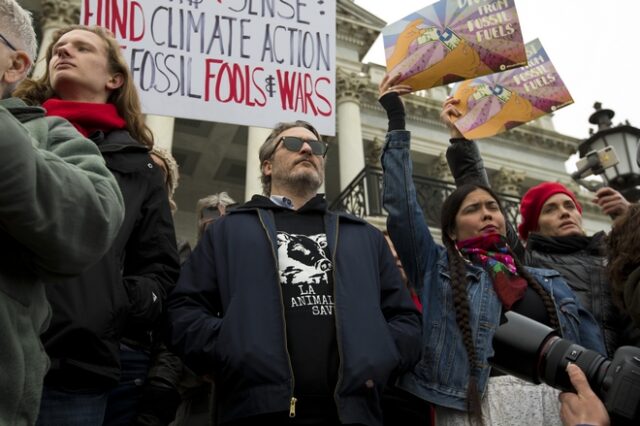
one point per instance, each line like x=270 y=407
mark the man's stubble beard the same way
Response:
x=301 y=181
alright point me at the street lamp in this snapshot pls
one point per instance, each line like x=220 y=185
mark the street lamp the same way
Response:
x=625 y=175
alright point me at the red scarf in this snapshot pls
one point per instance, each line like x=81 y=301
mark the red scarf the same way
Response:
x=86 y=117
x=492 y=253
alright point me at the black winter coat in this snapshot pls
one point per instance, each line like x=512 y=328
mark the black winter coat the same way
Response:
x=582 y=262
x=226 y=315
x=127 y=286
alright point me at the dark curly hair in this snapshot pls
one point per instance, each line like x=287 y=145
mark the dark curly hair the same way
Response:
x=623 y=251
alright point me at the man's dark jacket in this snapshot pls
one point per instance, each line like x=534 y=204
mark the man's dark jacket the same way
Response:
x=226 y=315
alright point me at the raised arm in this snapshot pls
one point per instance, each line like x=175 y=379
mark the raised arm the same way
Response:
x=463 y=156
x=466 y=165
x=611 y=202
x=406 y=224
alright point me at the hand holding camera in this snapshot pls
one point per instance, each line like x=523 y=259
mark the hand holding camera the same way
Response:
x=536 y=353
x=584 y=406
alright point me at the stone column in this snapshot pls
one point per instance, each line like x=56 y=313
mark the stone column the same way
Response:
x=257 y=135
x=350 y=146
x=55 y=14
x=440 y=169
x=508 y=182
x=373 y=151
x=162 y=128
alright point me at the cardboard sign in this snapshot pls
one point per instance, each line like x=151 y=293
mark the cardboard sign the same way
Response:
x=245 y=62
x=499 y=102
x=454 y=40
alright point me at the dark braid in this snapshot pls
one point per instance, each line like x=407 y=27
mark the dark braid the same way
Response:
x=457 y=270
x=546 y=298
x=461 y=304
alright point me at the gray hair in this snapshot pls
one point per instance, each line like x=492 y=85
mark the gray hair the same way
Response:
x=213 y=201
x=268 y=148
x=17 y=26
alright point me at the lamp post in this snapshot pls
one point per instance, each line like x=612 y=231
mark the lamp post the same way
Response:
x=625 y=175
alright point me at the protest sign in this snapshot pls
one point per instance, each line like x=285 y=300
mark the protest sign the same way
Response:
x=495 y=103
x=454 y=40
x=247 y=62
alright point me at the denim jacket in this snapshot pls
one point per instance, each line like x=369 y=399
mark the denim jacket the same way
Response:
x=442 y=374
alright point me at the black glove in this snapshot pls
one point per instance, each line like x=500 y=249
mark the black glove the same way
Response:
x=392 y=103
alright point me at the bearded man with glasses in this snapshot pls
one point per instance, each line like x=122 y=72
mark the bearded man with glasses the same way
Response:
x=297 y=313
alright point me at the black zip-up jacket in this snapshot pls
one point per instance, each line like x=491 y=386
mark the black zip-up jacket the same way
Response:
x=226 y=315
x=128 y=286
x=582 y=262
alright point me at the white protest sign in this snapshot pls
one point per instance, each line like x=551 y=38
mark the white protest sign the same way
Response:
x=247 y=62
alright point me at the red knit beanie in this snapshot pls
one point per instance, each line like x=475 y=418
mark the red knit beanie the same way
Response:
x=532 y=203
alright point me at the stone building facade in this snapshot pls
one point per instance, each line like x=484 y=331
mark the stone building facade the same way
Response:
x=217 y=157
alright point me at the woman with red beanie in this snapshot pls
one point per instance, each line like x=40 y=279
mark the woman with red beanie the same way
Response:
x=551 y=228
x=550 y=209
x=102 y=321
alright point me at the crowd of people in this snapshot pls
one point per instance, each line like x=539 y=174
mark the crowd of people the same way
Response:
x=285 y=312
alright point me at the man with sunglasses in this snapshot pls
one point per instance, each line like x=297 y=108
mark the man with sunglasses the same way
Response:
x=299 y=314
x=60 y=209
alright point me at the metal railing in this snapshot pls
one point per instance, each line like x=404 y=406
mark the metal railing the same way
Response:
x=363 y=197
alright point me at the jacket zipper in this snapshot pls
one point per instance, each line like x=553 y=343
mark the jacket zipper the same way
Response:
x=335 y=317
x=292 y=399
x=292 y=406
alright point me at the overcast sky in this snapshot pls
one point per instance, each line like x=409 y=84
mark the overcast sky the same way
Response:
x=594 y=46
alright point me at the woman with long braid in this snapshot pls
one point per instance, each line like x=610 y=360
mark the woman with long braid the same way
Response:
x=465 y=286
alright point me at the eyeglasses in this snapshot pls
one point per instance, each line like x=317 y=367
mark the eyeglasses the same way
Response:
x=8 y=43
x=294 y=144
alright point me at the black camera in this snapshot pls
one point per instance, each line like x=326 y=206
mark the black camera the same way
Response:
x=536 y=353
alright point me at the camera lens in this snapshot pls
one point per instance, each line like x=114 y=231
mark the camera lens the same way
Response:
x=555 y=356
x=534 y=352
x=518 y=353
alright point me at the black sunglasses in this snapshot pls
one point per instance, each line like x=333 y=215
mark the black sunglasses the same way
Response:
x=294 y=144
x=8 y=43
